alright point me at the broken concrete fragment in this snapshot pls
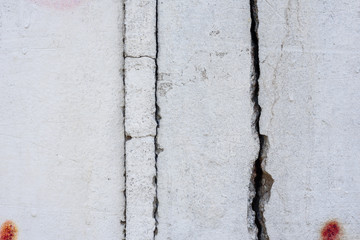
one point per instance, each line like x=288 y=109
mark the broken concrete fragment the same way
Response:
x=140 y=188
x=140 y=25
x=140 y=97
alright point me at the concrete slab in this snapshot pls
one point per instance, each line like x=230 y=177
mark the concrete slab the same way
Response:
x=140 y=21
x=309 y=55
x=61 y=127
x=206 y=140
x=140 y=188
x=140 y=97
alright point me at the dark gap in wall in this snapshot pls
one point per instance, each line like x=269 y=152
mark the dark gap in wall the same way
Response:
x=157 y=118
x=261 y=180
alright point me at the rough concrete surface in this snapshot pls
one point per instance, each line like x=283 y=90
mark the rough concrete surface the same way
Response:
x=140 y=121
x=173 y=120
x=140 y=128
x=206 y=141
x=309 y=92
x=140 y=24
x=140 y=97
x=61 y=129
x=140 y=188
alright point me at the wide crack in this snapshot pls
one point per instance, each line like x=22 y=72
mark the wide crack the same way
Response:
x=261 y=182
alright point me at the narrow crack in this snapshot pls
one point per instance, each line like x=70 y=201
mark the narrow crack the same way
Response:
x=157 y=119
x=142 y=56
x=139 y=137
x=124 y=114
x=261 y=181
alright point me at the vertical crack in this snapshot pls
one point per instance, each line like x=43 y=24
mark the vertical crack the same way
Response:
x=261 y=181
x=124 y=114
x=157 y=119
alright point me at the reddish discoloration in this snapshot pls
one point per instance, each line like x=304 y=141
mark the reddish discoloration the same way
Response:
x=8 y=231
x=59 y=4
x=331 y=231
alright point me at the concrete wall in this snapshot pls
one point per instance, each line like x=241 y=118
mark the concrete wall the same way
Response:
x=61 y=126
x=309 y=92
x=193 y=119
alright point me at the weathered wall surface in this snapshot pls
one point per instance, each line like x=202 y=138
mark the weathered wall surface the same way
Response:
x=309 y=92
x=140 y=52
x=193 y=119
x=206 y=140
x=61 y=127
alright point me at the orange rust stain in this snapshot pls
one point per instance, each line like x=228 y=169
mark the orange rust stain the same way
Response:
x=331 y=231
x=8 y=231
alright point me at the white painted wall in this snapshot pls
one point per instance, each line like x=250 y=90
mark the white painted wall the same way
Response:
x=186 y=147
x=206 y=138
x=309 y=92
x=61 y=127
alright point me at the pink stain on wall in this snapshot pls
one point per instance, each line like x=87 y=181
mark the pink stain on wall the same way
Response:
x=331 y=231
x=58 y=4
x=8 y=231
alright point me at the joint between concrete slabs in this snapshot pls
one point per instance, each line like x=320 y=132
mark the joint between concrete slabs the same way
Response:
x=157 y=119
x=256 y=177
x=123 y=28
x=124 y=116
x=129 y=137
x=144 y=56
x=140 y=118
x=260 y=181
